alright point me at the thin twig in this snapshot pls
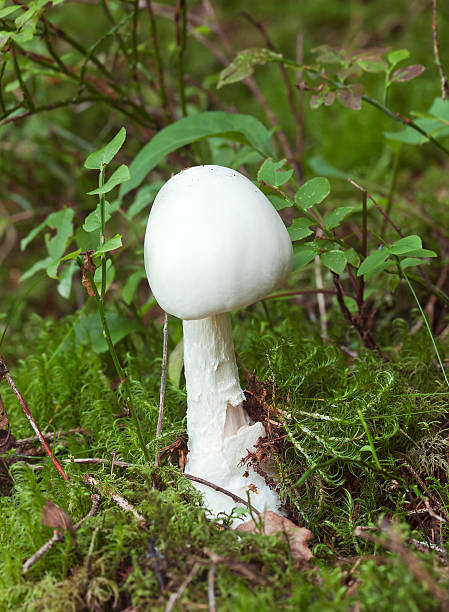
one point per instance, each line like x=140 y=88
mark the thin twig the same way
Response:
x=158 y=62
x=436 y=52
x=174 y=597
x=160 y=417
x=5 y=373
x=207 y=483
x=59 y=535
x=121 y=502
x=181 y=28
x=211 y=588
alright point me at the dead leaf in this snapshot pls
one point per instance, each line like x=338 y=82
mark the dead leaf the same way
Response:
x=252 y=487
x=88 y=266
x=297 y=537
x=53 y=516
x=5 y=430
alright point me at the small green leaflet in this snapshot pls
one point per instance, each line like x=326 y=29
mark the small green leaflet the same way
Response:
x=131 y=285
x=312 y=192
x=336 y=216
x=120 y=176
x=271 y=174
x=113 y=243
x=394 y=57
x=373 y=261
x=299 y=229
x=302 y=255
x=335 y=260
x=100 y=158
x=93 y=220
x=243 y=65
x=406 y=245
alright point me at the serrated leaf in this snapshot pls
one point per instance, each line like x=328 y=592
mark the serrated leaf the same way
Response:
x=302 y=255
x=121 y=175
x=312 y=192
x=270 y=173
x=93 y=220
x=336 y=216
x=243 y=65
x=401 y=75
x=406 y=245
x=335 y=260
x=373 y=261
x=113 y=243
x=299 y=229
x=103 y=156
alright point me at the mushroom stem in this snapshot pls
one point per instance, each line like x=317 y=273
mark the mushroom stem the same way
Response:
x=214 y=396
x=220 y=432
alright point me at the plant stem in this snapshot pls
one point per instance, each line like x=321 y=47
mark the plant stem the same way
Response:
x=181 y=25
x=370 y=439
x=426 y=323
x=103 y=231
x=158 y=61
x=120 y=371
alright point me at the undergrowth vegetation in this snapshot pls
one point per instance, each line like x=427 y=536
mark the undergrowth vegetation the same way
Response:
x=339 y=113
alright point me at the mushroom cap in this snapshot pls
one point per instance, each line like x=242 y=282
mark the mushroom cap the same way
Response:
x=213 y=243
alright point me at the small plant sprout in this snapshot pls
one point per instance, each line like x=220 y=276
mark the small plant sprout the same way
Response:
x=214 y=243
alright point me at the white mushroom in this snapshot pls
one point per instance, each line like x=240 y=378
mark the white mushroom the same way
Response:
x=214 y=243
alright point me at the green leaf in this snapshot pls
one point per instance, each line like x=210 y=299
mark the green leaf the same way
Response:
x=100 y=158
x=62 y=222
x=299 y=229
x=4 y=12
x=131 y=285
x=93 y=220
x=110 y=275
x=335 y=260
x=65 y=280
x=422 y=253
x=145 y=196
x=322 y=167
x=243 y=65
x=39 y=265
x=113 y=243
x=394 y=57
x=270 y=173
x=32 y=235
x=336 y=216
x=409 y=262
x=121 y=175
x=236 y=127
x=312 y=192
x=90 y=331
x=406 y=245
x=176 y=363
x=52 y=269
x=278 y=201
x=373 y=261
x=352 y=257
x=302 y=255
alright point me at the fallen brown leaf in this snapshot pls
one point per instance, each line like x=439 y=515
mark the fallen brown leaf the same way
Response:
x=297 y=537
x=53 y=516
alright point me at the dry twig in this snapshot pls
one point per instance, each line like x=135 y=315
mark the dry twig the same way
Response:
x=59 y=535
x=121 y=502
x=174 y=597
x=436 y=52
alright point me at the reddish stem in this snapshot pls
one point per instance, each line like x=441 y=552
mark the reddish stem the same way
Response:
x=4 y=372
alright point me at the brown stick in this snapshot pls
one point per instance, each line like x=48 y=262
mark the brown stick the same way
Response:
x=59 y=535
x=436 y=52
x=174 y=597
x=121 y=502
x=5 y=373
x=236 y=498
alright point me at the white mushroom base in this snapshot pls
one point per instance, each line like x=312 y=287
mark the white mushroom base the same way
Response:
x=219 y=430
